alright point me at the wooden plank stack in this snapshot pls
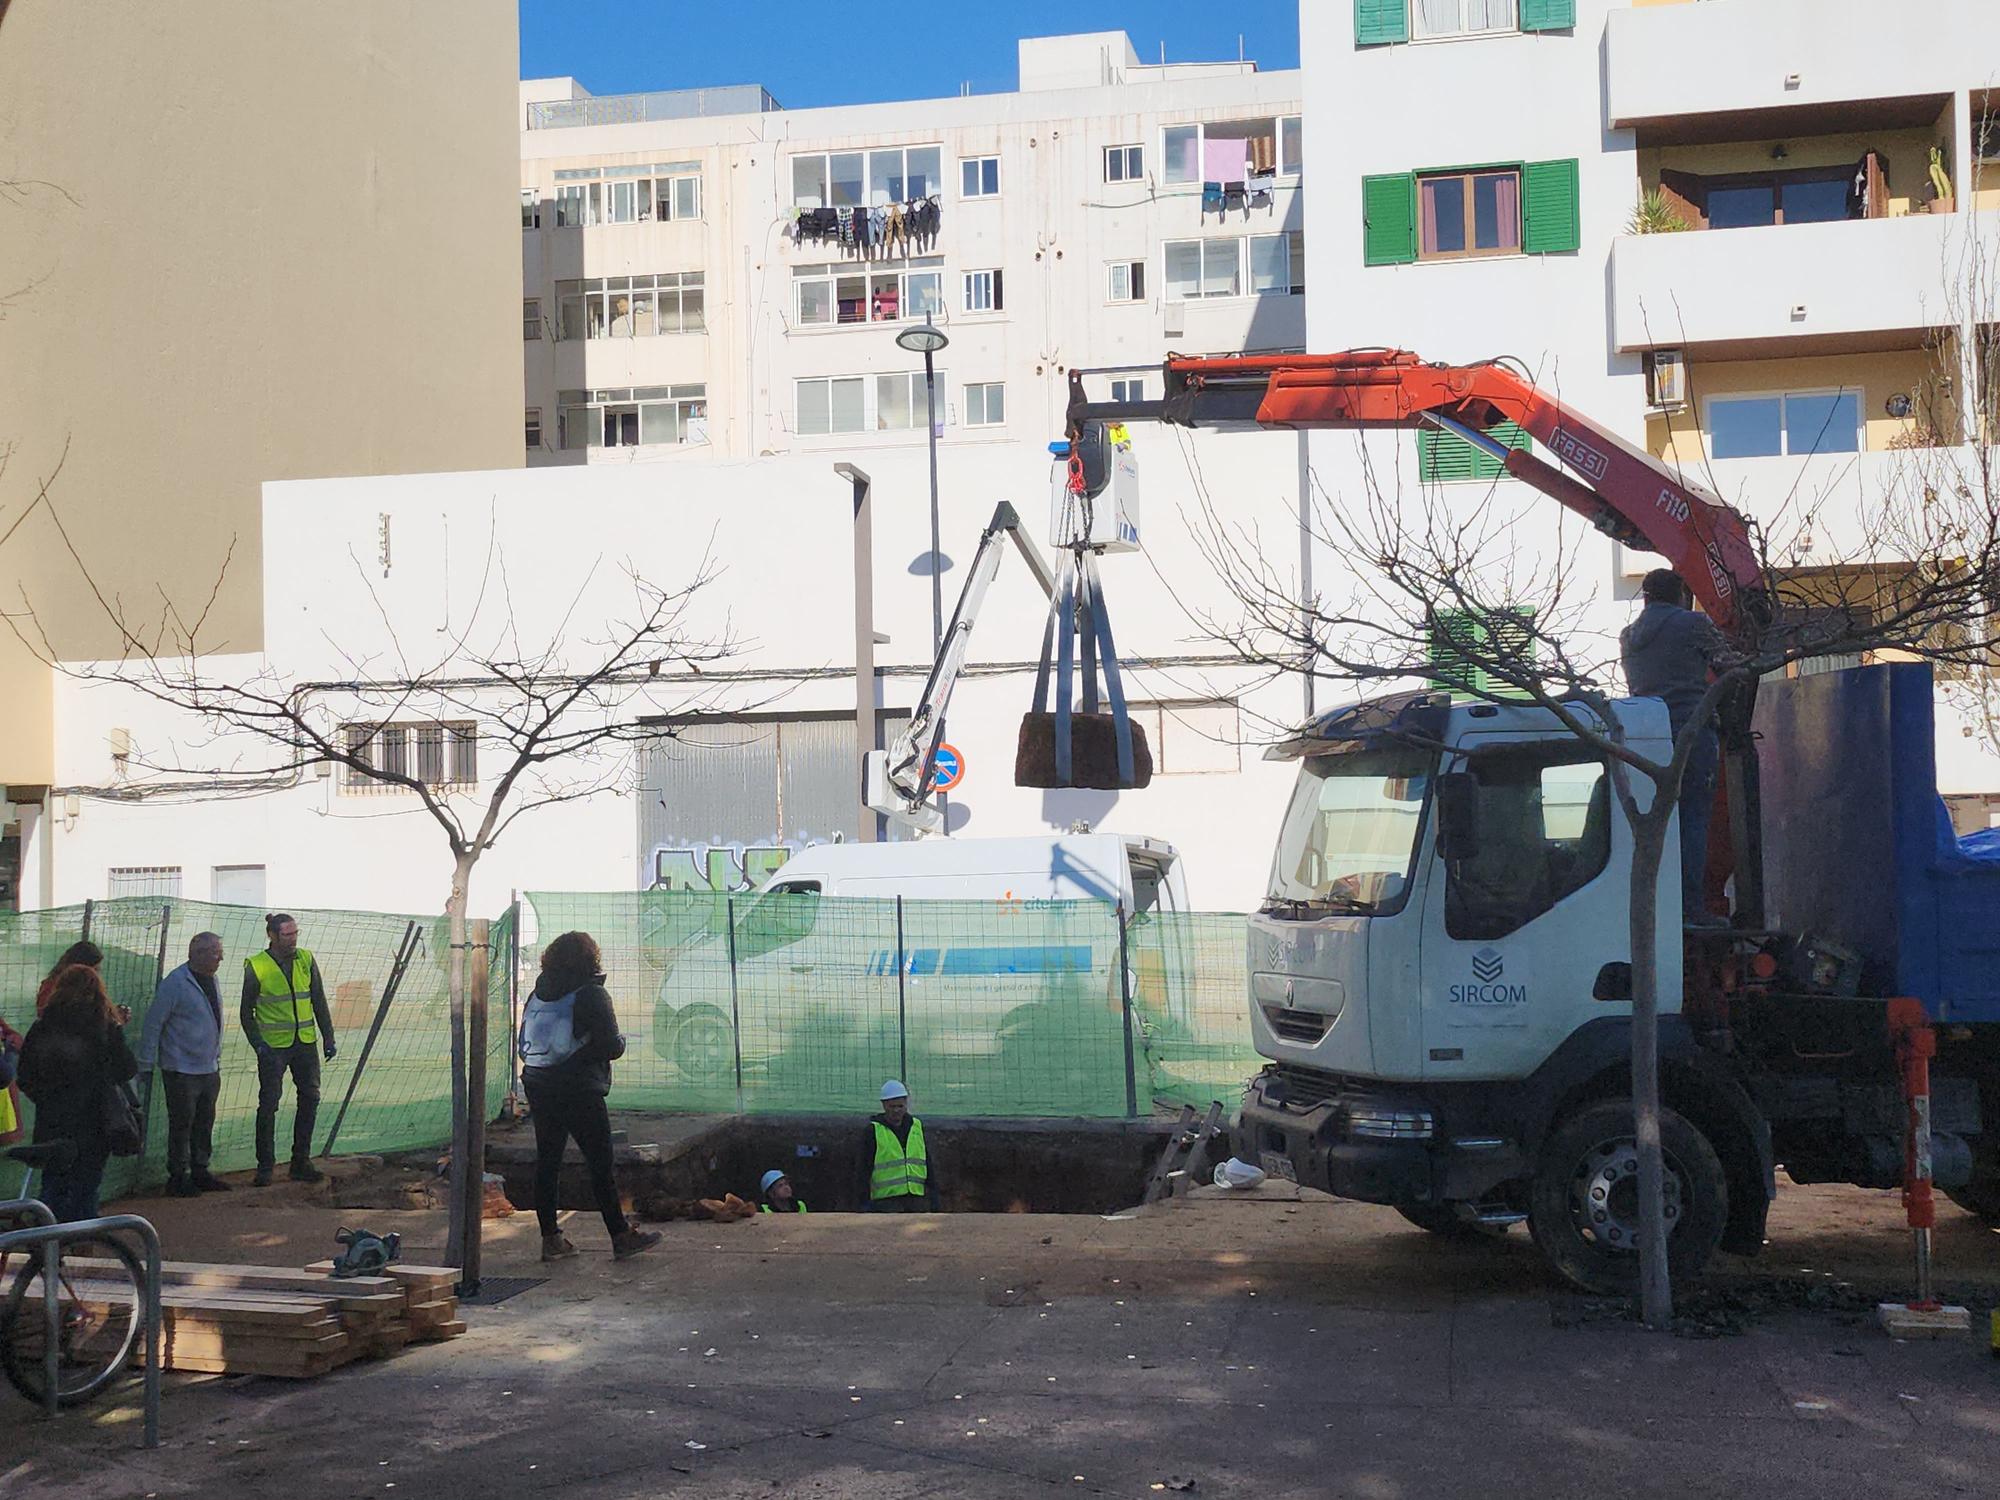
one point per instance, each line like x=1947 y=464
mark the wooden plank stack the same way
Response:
x=266 y=1320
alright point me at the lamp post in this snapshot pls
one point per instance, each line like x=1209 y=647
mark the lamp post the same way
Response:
x=927 y=340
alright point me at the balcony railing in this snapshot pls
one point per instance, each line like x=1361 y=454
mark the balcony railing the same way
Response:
x=633 y=109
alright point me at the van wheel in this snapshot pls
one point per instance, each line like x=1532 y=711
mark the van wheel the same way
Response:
x=700 y=1044
x=1442 y=1220
x=1584 y=1206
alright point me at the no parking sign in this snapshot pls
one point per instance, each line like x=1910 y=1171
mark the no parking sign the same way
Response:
x=947 y=768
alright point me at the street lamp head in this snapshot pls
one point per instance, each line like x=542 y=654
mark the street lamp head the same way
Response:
x=925 y=338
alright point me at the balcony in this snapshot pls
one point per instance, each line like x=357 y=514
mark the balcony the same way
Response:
x=1750 y=67
x=1786 y=288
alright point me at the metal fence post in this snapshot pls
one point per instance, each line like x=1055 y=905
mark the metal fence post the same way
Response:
x=1125 y=996
x=89 y=909
x=735 y=1005
x=902 y=1000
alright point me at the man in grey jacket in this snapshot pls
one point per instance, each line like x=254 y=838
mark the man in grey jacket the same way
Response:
x=1668 y=653
x=183 y=1034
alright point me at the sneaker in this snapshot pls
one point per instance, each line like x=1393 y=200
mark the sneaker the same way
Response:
x=262 y=1179
x=208 y=1182
x=180 y=1187
x=305 y=1171
x=556 y=1247
x=634 y=1242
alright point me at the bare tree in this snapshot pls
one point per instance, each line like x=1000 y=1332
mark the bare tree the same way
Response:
x=1442 y=592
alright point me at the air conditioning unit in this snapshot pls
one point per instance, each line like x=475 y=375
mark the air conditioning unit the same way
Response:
x=1666 y=380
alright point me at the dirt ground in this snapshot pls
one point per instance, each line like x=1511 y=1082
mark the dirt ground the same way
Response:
x=1276 y=1344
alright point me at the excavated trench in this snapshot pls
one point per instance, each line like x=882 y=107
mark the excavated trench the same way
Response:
x=982 y=1166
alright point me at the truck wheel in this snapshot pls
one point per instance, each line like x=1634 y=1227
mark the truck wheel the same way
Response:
x=1442 y=1220
x=700 y=1045
x=1584 y=1206
x=1979 y=1197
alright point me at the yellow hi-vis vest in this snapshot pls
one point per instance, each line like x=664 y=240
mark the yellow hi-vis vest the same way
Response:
x=800 y=1209
x=901 y=1168
x=284 y=1004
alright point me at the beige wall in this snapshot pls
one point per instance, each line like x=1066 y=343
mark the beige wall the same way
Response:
x=245 y=242
x=1906 y=153
x=1914 y=372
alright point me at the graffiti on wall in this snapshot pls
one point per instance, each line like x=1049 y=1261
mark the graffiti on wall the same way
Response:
x=719 y=868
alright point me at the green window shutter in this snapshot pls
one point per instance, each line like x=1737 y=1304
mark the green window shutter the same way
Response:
x=1452 y=632
x=1444 y=457
x=1550 y=221
x=1380 y=21
x=1389 y=219
x=1506 y=634
x=1548 y=15
x=1511 y=634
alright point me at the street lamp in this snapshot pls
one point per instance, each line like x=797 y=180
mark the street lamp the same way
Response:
x=927 y=340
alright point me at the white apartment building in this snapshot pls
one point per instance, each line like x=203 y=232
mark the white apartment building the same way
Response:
x=1822 y=327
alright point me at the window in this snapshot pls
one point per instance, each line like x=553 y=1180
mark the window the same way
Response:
x=531 y=318
x=238 y=885
x=1350 y=833
x=867 y=179
x=1124 y=163
x=861 y=403
x=531 y=209
x=635 y=416
x=985 y=405
x=1216 y=267
x=1809 y=196
x=1791 y=423
x=1499 y=637
x=617 y=307
x=1227 y=151
x=979 y=177
x=533 y=434
x=1530 y=208
x=1469 y=213
x=626 y=195
x=887 y=292
x=1542 y=818
x=1445 y=457
x=1128 y=281
x=1192 y=736
x=1133 y=389
x=144 y=880
x=983 y=291
x=442 y=753
x=1432 y=18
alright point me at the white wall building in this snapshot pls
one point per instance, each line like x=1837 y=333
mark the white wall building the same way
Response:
x=1824 y=305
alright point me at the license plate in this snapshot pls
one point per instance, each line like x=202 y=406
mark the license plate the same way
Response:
x=1278 y=1166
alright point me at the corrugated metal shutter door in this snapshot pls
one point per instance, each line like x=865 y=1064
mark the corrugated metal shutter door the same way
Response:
x=1551 y=223
x=1389 y=219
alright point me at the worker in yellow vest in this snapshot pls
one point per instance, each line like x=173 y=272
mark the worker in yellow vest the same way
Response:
x=284 y=1015
x=779 y=1197
x=897 y=1174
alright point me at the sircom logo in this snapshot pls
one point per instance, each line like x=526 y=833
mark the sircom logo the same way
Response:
x=1488 y=965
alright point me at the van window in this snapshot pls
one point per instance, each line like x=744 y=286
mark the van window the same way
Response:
x=1544 y=832
x=1147 y=879
x=777 y=919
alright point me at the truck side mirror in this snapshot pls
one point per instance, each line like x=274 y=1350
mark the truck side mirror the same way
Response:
x=1458 y=819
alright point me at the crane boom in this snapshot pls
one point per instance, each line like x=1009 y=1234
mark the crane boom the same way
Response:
x=1623 y=492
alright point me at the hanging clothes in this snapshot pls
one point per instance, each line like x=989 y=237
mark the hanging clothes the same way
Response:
x=1211 y=198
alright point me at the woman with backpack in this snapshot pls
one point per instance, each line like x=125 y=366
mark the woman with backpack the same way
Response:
x=569 y=1039
x=72 y=1067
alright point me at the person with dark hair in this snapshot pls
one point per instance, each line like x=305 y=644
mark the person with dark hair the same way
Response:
x=569 y=1039
x=85 y=952
x=1668 y=653
x=74 y=1054
x=285 y=1017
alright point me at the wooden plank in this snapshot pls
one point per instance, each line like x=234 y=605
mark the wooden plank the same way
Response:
x=435 y=1333
x=100 y=1298
x=216 y=1344
x=278 y=1369
x=384 y=1304
x=434 y=1277
x=254 y=1278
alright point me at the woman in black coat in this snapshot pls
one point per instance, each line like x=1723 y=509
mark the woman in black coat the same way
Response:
x=74 y=1056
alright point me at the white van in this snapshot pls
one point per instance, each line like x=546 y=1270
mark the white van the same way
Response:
x=1139 y=874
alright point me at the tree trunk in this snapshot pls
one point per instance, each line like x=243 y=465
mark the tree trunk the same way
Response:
x=465 y=1178
x=1649 y=837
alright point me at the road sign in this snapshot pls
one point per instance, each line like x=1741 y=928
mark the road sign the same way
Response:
x=947 y=768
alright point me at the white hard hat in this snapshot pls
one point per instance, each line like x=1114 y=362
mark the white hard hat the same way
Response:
x=894 y=1089
x=770 y=1177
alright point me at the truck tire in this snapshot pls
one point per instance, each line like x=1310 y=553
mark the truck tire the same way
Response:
x=1583 y=1207
x=700 y=1044
x=1442 y=1220
x=1979 y=1197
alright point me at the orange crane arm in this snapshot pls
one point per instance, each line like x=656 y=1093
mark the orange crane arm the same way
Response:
x=1629 y=495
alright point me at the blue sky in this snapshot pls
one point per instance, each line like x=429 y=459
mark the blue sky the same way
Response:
x=807 y=57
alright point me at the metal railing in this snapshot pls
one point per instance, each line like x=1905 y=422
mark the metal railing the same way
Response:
x=50 y=1237
x=671 y=104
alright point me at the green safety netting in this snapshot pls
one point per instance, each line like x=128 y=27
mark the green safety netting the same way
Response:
x=745 y=1002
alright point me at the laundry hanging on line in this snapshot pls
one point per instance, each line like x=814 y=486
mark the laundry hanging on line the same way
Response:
x=866 y=233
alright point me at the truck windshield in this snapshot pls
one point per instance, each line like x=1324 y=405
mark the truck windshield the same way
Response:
x=1350 y=834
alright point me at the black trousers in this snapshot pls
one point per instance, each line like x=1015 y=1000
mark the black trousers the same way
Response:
x=562 y=1113
x=301 y=1060
x=190 y=1120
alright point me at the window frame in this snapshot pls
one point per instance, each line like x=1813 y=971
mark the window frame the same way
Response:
x=1236 y=242
x=829 y=275
x=585 y=418
x=1286 y=170
x=450 y=745
x=980 y=164
x=531 y=319
x=658 y=287
x=994 y=287
x=1468 y=176
x=1293 y=241
x=868 y=154
x=1129 y=388
x=1135 y=281
x=531 y=209
x=1464 y=33
x=655 y=193
x=1777 y=181
x=1547 y=756
x=983 y=404
x=1783 y=397
x=531 y=429
x=871 y=404
x=1131 y=160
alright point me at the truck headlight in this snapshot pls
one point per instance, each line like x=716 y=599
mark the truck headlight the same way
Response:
x=1389 y=1124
